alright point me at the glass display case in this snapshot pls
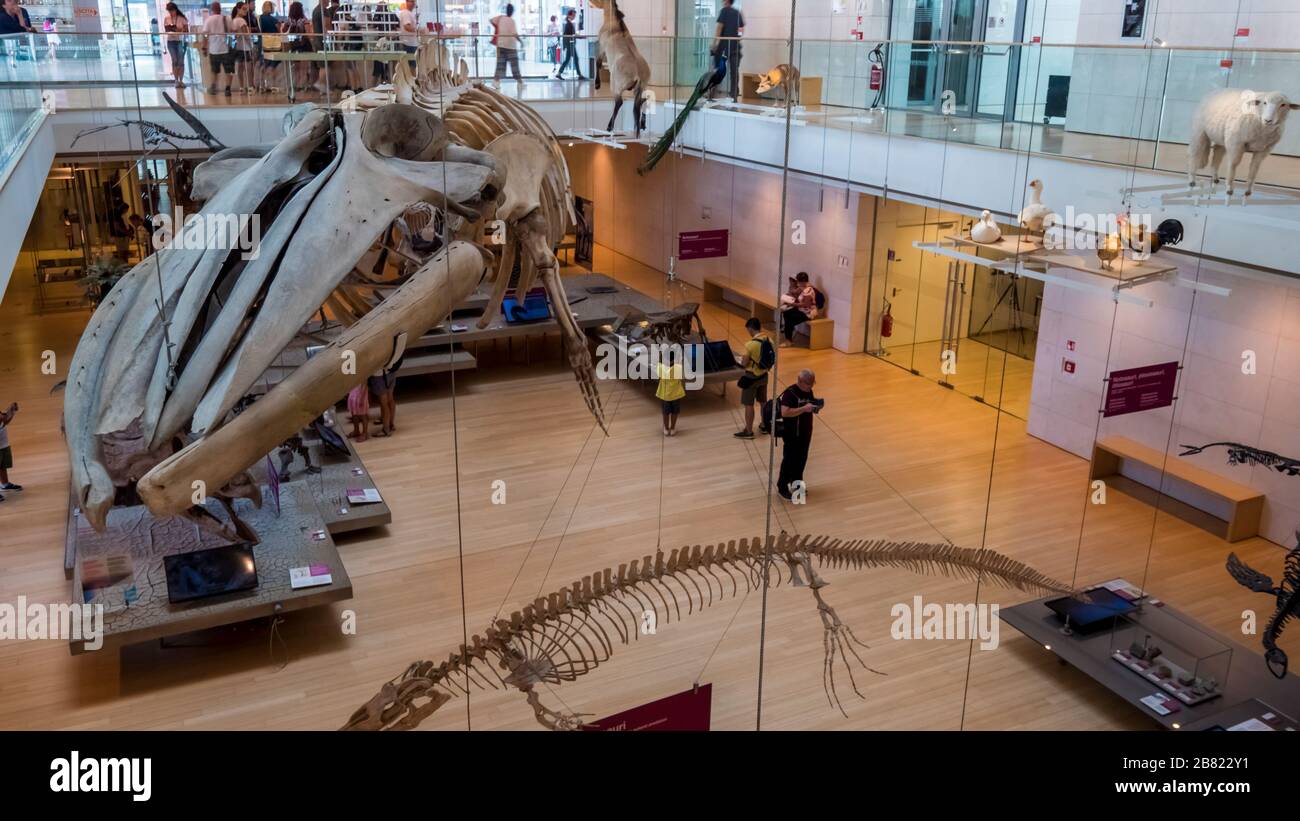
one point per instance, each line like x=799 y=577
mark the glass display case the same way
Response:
x=1171 y=652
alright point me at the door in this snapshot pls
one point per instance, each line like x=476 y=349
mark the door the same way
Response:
x=950 y=73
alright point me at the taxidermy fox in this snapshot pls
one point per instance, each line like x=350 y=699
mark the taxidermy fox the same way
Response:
x=784 y=76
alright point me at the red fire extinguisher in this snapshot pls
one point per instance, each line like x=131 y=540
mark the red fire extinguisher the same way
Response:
x=887 y=322
x=877 y=75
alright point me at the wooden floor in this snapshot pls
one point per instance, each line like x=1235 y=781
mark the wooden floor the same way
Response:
x=894 y=455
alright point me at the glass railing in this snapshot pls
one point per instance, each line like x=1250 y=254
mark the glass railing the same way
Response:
x=1129 y=106
x=20 y=98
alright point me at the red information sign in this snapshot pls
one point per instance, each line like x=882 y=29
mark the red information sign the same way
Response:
x=702 y=244
x=687 y=710
x=1139 y=389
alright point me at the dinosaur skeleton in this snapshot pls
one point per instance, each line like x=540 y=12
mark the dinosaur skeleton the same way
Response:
x=1287 y=594
x=1239 y=454
x=574 y=630
x=186 y=334
x=673 y=326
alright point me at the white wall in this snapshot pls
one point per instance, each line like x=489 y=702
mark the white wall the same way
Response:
x=641 y=217
x=1120 y=94
x=1216 y=401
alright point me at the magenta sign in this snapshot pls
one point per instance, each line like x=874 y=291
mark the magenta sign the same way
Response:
x=1139 y=389
x=688 y=710
x=702 y=244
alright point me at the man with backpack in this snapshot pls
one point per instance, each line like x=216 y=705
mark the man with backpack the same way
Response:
x=797 y=406
x=759 y=358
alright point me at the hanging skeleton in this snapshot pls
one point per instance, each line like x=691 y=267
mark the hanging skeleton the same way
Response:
x=1239 y=454
x=1287 y=595
x=189 y=331
x=574 y=630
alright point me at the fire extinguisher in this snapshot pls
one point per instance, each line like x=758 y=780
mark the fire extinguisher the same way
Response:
x=877 y=78
x=887 y=322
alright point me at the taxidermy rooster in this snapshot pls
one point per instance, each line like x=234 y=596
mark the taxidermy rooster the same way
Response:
x=706 y=83
x=1139 y=239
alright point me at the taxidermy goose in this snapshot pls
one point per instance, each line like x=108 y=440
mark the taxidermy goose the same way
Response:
x=985 y=230
x=1034 y=212
x=1109 y=248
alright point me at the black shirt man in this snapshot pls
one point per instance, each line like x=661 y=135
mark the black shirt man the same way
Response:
x=731 y=24
x=797 y=408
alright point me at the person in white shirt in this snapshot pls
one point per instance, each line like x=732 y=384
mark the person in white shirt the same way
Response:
x=506 y=40
x=408 y=23
x=216 y=43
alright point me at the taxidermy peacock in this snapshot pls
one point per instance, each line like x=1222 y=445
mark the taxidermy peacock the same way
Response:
x=706 y=83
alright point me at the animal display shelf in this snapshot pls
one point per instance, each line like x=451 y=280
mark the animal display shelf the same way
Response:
x=173 y=348
x=574 y=630
x=629 y=73
x=1287 y=593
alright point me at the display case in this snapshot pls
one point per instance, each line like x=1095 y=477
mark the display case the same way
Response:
x=1174 y=654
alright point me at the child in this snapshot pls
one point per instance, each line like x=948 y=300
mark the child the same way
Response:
x=7 y=455
x=359 y=408
x=670 y=391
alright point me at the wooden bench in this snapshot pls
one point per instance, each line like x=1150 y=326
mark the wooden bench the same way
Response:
x=761 y=305
x=432 y=361
x=820 y=332
x=1244 y=503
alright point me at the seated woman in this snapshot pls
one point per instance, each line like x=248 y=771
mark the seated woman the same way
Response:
x=798 y=305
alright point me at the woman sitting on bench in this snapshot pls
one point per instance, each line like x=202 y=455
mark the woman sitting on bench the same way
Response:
x=798 y=305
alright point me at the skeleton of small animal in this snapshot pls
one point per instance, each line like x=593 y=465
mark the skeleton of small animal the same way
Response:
x=784 y=77
x=628 y=70
x=172 y=349
x=575 y=629
x=675 y=326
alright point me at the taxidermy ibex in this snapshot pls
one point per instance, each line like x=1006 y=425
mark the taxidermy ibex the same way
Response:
x=573 y=631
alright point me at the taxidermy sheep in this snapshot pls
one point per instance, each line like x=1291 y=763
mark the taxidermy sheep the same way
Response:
x=1231 y=122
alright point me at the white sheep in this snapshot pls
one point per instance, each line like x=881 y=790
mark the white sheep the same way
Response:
x=1233 y=121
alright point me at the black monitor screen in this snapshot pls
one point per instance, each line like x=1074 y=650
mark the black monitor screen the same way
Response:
x=210 y=572
x=1102 y=605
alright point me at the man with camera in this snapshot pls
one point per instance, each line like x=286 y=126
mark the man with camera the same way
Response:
x=798 y=406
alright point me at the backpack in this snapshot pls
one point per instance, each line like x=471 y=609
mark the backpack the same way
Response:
x=819 y=299
x=766 y=354
x=769 y=425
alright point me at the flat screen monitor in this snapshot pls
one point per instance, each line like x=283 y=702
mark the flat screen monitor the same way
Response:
x=1102 y=606
x=211 y=572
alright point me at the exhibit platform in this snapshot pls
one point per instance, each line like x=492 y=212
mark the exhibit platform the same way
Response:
x=126 y=562
x=1244 y=690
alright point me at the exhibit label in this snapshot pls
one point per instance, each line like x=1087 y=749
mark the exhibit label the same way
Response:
x=688 y=710
x=702 y=244
x=1138 y=389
